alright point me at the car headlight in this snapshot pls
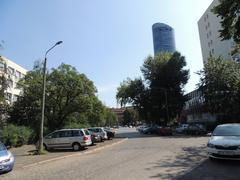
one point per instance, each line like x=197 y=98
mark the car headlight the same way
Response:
x=210 y=145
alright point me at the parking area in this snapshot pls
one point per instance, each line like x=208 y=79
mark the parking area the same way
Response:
x=24 y=155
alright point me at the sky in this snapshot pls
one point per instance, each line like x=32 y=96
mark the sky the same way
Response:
x=107 y=40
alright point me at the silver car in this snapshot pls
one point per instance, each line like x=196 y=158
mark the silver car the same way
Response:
x=225 y=142
x=67 y=138
x=99 y=131
x=6 y=159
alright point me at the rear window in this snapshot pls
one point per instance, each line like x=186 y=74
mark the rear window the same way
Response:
x=86 y=132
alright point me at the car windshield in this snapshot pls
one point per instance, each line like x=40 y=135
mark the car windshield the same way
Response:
x=227 y=131
x=2 y=147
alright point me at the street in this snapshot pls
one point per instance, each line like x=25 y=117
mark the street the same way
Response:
x=139 y=157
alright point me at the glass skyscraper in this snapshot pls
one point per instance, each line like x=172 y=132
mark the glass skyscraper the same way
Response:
x=163 y=38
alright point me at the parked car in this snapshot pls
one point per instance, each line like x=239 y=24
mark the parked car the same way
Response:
x=149 y=130
x=196 y=129
x=6 y=159
x=225 y=142
x=110 y=133
x=164 y=131
x=67 y=138
x=95 y=137
x=181 y=129
x=100 y=131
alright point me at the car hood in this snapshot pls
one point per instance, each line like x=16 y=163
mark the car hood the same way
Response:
x=4 y=155
x=225 y=140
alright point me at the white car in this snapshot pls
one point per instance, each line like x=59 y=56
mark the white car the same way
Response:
x=67 y=138
x=225 y=142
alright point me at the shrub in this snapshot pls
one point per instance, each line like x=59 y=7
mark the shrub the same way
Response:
x=12 y=135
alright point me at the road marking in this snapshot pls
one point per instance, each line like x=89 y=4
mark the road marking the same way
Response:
x=75 y=154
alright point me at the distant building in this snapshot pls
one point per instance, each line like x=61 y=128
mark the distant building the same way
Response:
x=120 y=114
x=163 y=38
x=211 y=44
x=195 y=108
x=13 y=73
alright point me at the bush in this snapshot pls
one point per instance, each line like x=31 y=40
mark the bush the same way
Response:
x=12 y=135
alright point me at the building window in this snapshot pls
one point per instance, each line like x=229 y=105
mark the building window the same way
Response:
x=209 y=44
x=10 y=70
x=18 y=74
x=207 y=35
x=10 y=83
x=208 y=24
x=206 y=27
x=2 y=66
x=15 y=97
x=210 y=33
x=9 y=97
x=211 y=41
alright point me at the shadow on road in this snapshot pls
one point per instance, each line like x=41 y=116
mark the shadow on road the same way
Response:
x=214 y=169
x=172 y=167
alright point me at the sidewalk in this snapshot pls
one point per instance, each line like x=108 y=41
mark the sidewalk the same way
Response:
x=24 y=158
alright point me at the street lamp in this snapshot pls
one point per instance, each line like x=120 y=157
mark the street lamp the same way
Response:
x=43 y=96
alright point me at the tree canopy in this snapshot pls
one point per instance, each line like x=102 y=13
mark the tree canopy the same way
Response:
x=160 y=94
x=220 y=81
x=70 y=100
x=228 y=11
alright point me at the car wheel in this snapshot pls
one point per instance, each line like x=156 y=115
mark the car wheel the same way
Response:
x=76 y=146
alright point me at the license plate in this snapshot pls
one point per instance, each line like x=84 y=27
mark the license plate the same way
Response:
x=225 y=153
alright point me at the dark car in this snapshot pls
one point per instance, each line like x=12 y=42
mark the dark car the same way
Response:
x=164 y=131
x=196 y=129
x=110 y=133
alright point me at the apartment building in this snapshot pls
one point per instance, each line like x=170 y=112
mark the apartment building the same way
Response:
x=211 y=44
x=12 y=73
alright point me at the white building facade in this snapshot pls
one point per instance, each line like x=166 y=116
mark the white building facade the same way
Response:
x=13 y=73
x=211 y=44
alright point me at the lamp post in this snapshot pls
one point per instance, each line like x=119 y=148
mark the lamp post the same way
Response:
x=43 y=97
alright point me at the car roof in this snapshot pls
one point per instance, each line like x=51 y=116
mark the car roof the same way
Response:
x=70 y=129
x=229 y=124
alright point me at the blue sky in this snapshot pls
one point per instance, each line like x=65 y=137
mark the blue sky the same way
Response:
x=107 y=40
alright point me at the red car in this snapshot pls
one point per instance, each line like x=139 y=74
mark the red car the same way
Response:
x=164 y=131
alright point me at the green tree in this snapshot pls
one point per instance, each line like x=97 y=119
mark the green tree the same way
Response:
x=160 y=94
x=228 y=11
x=220 y=81
x=111 y=118
x=70 y=99
x=130 y=116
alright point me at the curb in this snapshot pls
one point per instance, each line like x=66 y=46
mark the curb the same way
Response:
x=75 y=154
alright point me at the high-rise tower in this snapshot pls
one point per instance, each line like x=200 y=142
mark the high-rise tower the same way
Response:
x=163 y=38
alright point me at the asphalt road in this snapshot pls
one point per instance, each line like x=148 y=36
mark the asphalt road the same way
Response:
x=140 y=157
